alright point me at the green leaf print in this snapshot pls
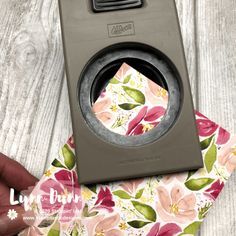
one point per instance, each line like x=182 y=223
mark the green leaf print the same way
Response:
x=69 y=157
x=58 y=164
x=127 y=79
x=191 y=173
x=204 y=210
x=192 y=229
x=114 y=81
x=92 y=188
x=210 y=157
x=206 y=143
x=137 y=224
x=139 y=193
x=128 y=106
x=75 y=232
x=135 y=94
x=147 y=211
x=86 y=212
x=122 y=194
x=55 y=230
x=198 y=184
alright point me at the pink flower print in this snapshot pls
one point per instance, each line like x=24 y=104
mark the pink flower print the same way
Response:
x=122 y=72
x=90 y=223
x=176 y=206
x=166 y=230
x=101 y=105
x=105 y=117
x=106 y=227
x=227 y=156
x=223 y=136
x=103 y=93
x=66 y=186
x=146 y=120
x=200 y=115
x=181 y=177
x=71 y=142
x=45 y=201
x=215 y=189
x=101 y=110
x=105 y=200
x=30 y=218
x=131 y=186
x=103 y=226
x=156 y=95
x=31 y=231
x=207 y=128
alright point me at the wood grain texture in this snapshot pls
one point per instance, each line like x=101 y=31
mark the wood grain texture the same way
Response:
x=62 y=127
x=34 y=109
x=31 y=78
x=216 y=52
x=186 y=12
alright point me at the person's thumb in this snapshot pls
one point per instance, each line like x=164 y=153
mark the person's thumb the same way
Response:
x=11 y=221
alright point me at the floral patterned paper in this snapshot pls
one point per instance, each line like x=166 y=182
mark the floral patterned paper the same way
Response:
x=158 y=206
x=131 y=104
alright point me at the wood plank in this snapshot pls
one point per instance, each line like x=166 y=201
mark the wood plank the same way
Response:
x=31 y=75
x=186 y=11
x=216 y=34
x=62 y=127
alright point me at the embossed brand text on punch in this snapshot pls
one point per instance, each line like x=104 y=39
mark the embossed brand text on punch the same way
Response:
x=121 y=29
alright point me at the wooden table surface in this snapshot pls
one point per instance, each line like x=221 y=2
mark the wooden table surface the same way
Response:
x=34 y=111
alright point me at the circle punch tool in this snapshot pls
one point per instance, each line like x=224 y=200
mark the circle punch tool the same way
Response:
x=98 y=37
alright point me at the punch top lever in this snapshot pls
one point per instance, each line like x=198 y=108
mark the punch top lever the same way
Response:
x=115 y=5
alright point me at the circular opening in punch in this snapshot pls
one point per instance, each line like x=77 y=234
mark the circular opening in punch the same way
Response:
x=146 y=66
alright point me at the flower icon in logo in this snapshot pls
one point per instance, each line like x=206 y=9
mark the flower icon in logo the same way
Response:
x=12 y=214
